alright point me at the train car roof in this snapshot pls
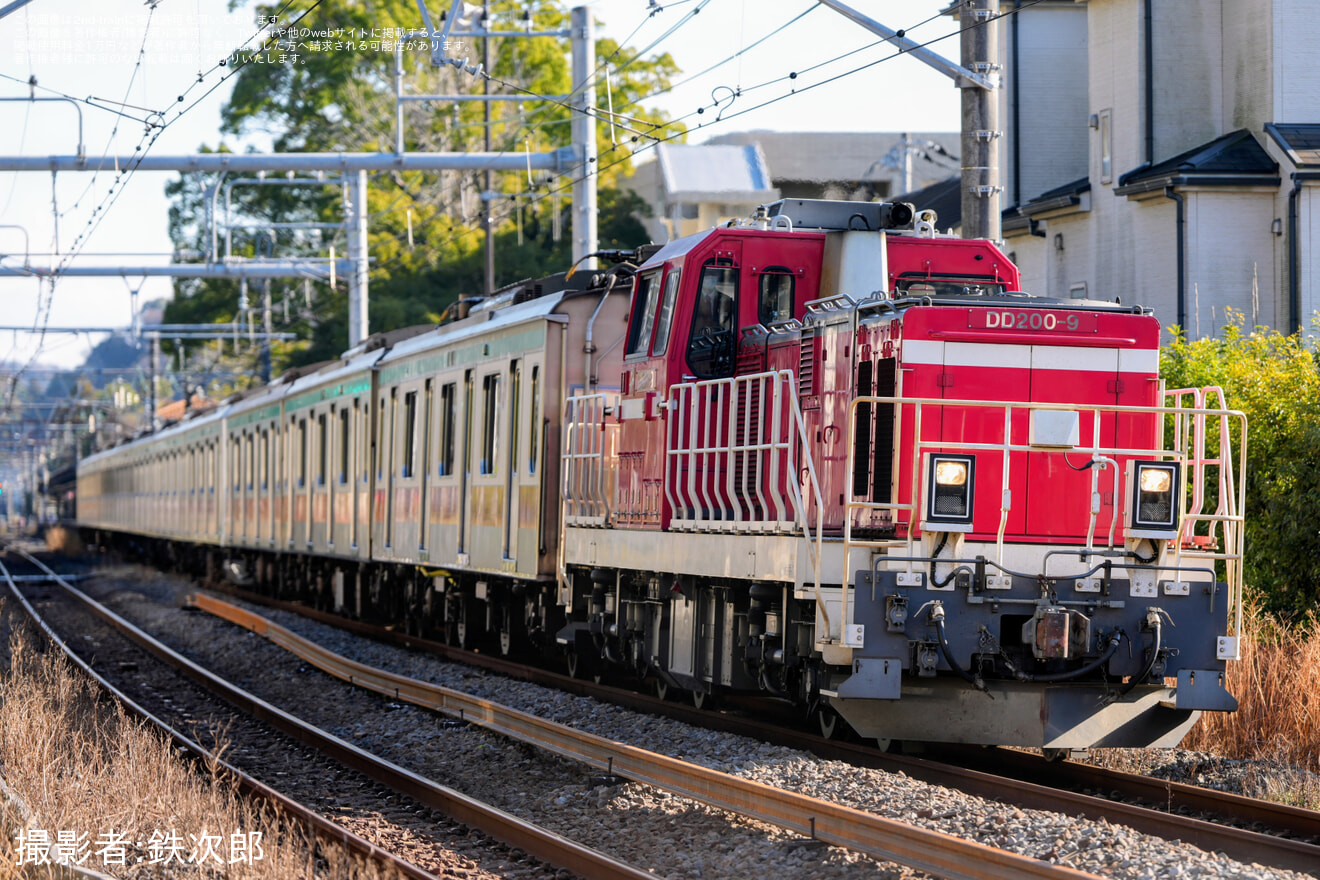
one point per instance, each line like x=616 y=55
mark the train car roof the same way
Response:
x=540 y=309
x=355 y=361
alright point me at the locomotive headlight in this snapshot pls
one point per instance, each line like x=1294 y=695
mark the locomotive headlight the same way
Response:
x=1155 y=481
x=950 y=496
x=950 y=473
x=1153 y=498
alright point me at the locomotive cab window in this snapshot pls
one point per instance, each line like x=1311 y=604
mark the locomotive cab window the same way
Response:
x=774 y=300
x=664 y=321
x=643 y=316
x=711 y=343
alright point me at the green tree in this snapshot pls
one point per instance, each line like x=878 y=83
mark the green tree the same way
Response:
x=343 y=100
x=1274 y=380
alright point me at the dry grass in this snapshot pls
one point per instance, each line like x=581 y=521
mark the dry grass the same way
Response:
x=81 y=764
x=1273 y=739
x=1277 y=683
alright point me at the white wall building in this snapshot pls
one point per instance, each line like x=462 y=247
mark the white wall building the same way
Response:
x=1166 y=153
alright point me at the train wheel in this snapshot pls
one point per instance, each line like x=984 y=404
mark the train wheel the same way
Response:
x=574 y=662
x=831 y=725
x=661 y=689
x=705 y=700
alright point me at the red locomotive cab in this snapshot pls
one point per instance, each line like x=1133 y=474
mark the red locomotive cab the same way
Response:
x=700 y=310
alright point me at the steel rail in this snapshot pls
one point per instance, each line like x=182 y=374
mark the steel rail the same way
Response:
x=248 y=785
x=830 y=823
x=538 y=842
x=1040 y=785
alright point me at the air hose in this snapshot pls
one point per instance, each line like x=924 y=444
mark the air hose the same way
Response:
x=937 y=617
x=1152 y=621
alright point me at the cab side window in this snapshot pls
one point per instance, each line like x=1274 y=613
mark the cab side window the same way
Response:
x=665 y=319
x=643 y=316
x=711 y=343
x=774 y=302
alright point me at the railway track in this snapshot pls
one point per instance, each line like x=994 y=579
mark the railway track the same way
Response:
x=334 y=755
x=818 y=821
x=1247 y=829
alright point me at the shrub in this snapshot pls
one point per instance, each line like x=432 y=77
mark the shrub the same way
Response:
x=1274 y=380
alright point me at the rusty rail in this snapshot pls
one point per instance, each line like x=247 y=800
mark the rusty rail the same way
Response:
x=830 y=823
x=538 y=842
x=249 y=786
x=1014 y=777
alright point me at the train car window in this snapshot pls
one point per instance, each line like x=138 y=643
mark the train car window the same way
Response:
x=394 y=433
x=710 y=345
x=490 y=418
x=921 y=284
x=428 y=410
x=380 y=441
x=643 y=316
x=447 y=394
x=235 y=460
x=515 y=406
x=343 y=445
x=302 y=452
x=265 y=460
x=409 y=433
x=665 y=319
x=774 y=302
x=322 y=442
x=364 y=466
x=534 y=424
x=490 y=393
x=250 y=460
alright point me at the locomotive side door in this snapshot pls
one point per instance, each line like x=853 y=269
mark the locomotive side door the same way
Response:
x=639 y=502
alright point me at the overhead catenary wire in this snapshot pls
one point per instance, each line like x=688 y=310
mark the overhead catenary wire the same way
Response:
x=152 y=132
x=565 y=183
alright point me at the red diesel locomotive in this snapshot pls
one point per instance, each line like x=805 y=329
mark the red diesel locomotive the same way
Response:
x=869 y=475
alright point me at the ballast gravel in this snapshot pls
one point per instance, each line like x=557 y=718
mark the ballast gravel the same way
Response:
x=670 y=835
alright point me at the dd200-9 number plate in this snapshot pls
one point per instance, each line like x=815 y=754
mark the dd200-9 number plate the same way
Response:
x=1032 y=320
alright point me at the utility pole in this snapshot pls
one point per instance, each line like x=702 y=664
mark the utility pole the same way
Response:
x=584 y=135
x=487 y=203
x=357 y=255
x=268 y=327
x=906 y=161
x=151 y=378
x=980 y=123
x=978 y=77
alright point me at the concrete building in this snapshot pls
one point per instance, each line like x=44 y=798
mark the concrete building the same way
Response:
x=1166 y=154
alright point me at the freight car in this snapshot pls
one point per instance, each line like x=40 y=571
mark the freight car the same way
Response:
x=823 y=453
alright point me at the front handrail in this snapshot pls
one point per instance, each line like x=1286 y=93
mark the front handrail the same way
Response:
x=1189 y=448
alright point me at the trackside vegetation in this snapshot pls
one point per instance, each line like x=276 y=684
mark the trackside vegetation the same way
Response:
x=1275 y=380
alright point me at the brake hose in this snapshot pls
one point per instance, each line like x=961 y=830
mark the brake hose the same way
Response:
x=937 y=616
x=1153 y=621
